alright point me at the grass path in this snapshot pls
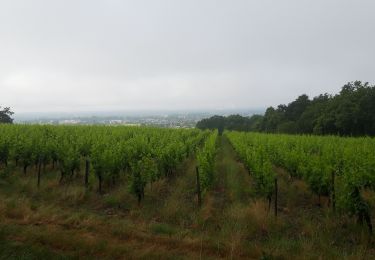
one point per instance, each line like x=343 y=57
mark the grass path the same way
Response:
x=232 y=182
x=226 y=205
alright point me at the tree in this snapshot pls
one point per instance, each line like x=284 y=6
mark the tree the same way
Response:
x=272 y=118
x=5 y=115
x=232 y=123
x=309 y=118
x=295 y=109
x=215 y=122
x=351 y=112
x=255 y=122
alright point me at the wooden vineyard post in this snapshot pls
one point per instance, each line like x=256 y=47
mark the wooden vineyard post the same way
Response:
x=87 y=173
x=100 y=182
x=198 y=187
x=276 y=190
x=333 y=192
x=39 y=170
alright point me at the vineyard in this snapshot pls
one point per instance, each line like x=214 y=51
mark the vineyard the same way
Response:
x=339 y=168
x=140 y=192
x=143 y=155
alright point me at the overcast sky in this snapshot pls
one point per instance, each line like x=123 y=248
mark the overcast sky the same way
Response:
x=192 y=54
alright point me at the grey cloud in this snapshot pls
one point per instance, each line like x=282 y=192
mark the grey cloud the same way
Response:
x=92 y=55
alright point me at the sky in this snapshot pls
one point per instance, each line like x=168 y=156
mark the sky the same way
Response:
x=88 y=55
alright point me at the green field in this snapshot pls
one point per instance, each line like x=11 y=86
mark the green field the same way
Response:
x=138 y=196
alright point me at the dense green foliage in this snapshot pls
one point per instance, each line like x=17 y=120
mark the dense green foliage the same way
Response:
x=233 y=123
x=141 y=155
x=206 y=161
x=349 y=113
x=333 y=166
x=256 y=160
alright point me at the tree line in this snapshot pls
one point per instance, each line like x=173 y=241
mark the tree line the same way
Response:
x=6 y=115
x=351 y=112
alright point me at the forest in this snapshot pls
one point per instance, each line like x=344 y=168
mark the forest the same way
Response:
x=351 y=112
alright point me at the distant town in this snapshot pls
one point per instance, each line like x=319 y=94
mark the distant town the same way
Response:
x=159 y=119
